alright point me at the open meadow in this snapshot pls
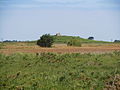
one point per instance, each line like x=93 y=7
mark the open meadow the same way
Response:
x=51 y=71
x=59 y=44
x=26 y=66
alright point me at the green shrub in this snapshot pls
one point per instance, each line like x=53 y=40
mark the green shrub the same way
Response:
x=45 y=40
x=74 y=42
x=1 y=45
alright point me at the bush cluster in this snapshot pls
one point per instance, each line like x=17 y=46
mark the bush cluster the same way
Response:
x=45 y=40
x=74 y=42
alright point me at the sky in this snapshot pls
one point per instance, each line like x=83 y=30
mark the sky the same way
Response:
x=29 y=19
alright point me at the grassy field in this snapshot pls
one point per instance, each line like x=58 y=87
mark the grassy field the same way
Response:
x=51 y=71
x=93 y=66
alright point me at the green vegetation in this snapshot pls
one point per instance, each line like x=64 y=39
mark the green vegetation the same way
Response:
x=1 y=45
x=45 y=40
x=117 y=41
x=50 y=71
x=74 y=42
x=61 y=39
x=65 y=39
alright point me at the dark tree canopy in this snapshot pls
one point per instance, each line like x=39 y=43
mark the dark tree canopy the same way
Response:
x=91 y=38
x=45 y=40
x=117 y=41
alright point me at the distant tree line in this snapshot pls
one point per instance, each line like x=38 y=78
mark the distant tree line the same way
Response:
x=10 y=41
x=117 y=41
x=15 y=41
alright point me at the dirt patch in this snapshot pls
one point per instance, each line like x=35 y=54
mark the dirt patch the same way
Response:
x=113 y=83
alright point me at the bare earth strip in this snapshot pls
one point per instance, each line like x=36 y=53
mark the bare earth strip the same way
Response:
x=9 y=49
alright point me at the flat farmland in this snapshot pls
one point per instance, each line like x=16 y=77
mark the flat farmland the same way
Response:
x=10 y=48
x=64 y=68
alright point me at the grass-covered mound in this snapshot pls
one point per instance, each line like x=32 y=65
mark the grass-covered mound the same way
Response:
x=66 y=39
x=49 y=71
x=59 y=40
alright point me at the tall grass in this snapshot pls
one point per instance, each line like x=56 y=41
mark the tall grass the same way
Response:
x=51 y=71
x=1 y=45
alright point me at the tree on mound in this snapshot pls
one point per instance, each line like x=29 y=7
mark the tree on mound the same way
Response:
x=45 y=40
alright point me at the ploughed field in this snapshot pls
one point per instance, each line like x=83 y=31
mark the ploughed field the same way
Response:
x=9 y=48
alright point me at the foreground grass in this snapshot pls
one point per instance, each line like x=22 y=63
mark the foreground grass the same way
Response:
x=49 y=71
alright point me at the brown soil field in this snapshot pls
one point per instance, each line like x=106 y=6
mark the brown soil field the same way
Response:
x=59 y=48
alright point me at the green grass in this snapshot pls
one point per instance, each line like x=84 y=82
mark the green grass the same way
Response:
x=74 y=42
x=66 y=39
x=50 y=71
x=22 y=43
x=2 y=45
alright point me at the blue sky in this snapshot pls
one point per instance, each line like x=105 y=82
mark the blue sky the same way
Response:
x=28 y=19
